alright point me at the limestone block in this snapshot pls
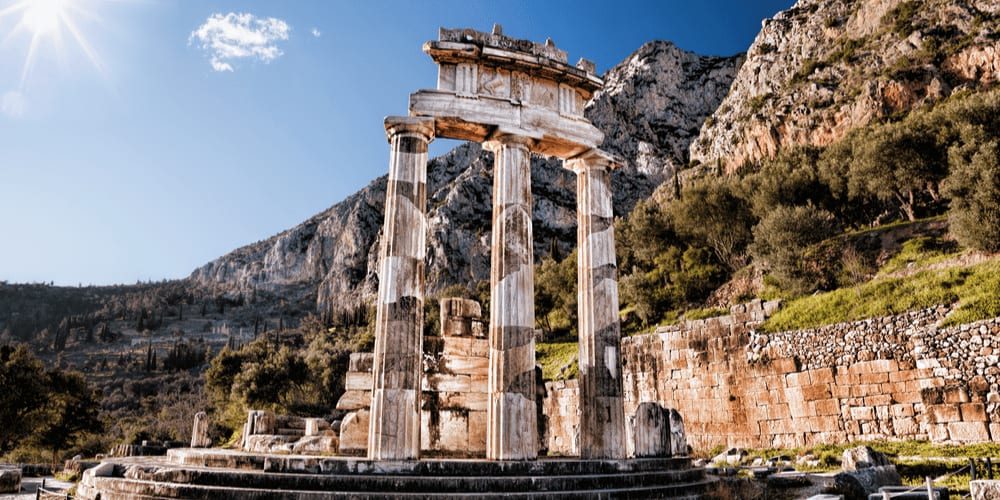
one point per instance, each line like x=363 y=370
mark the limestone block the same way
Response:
x=467 y=365
x=267 y=443
x=354 y=433
x=310 y=445
x=973 y=412
x=354 y=400
x=982 y=489
x=10 y=479
x=358 y=381
x=942 y=414
x=439 y=382
x=651 y=431
x=477 y=432
x=476 y=401
x=316 y=426
x=862 y=457
x=199 y=431
x=968 y=432
x=864 y=482
x=454 y=431
x=678 y=438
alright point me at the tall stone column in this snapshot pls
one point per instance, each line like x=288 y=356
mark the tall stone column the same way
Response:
x=511 y=418
x=394 y=428
x=602 y=413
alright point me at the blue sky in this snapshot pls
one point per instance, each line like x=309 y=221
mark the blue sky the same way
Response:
x=137 y=144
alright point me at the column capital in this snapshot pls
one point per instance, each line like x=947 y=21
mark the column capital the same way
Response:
x=593 y=158
x=416 y=125
x=507 y=138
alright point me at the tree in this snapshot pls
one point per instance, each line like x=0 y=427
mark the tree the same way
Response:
x=974 y=189
x=711 y=214
x=556 y=296
x=22 y=393
x=69 y=412
x=897 y=161
x=781 y=240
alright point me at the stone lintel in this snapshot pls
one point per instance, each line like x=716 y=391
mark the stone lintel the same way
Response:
x=417 y=125
x=478 y=119
x=593 y=158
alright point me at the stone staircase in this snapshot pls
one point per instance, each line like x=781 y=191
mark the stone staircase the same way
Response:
x=209 y=474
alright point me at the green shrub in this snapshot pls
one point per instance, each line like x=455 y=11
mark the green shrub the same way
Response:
x=781 y=239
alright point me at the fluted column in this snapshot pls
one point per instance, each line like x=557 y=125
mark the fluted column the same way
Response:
x=394 y=428
x=602 y=414
x=511 y=418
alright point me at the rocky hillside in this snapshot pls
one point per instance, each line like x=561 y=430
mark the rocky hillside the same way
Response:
x=653 y=106
x=824 y=67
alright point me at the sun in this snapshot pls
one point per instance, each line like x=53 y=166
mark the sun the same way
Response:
x=52 y=21
x=44 y=17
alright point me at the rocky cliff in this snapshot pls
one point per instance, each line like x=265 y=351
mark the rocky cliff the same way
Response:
x=651 y=109
x=824 y=67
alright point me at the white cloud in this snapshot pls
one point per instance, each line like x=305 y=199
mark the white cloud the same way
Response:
x=230 y=37
x=14 y=104
x=316 y=32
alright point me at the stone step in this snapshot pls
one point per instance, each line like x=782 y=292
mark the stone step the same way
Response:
x=362 y=483
x=112 y=488
x=431 y=467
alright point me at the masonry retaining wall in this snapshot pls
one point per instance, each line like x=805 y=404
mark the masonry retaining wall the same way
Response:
x=898 y=377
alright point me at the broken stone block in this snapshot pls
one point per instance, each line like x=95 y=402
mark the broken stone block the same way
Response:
x=309 y=445
x=862 y=457
x=316 y=426
x=678 y=438
x=354 y=433
x=651 y=431
x=199 y=432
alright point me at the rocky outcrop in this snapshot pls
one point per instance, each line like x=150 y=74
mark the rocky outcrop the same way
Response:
x=823 y=67
x=651 y=109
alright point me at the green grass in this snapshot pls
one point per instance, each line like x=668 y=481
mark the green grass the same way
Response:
x=696 y=314
x=558 y=359
x=922 y=251
x=974 y=288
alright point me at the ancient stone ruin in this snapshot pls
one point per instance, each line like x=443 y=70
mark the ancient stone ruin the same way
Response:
x=517 y=98
x=415 y=405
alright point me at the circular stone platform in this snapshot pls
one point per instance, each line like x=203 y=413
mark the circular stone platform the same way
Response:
x=213 y=473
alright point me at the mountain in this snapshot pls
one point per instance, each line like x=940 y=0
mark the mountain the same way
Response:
x=824 y=67
x=651 y=109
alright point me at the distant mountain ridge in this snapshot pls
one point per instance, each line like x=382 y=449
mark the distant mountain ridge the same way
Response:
x=652 y=107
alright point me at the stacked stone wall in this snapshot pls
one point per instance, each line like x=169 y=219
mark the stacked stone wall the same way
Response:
x=898 y=377
x=561 y=411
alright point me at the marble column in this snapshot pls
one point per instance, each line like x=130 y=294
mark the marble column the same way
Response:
x=511 y=419
x=602 y=413
x=394 y=426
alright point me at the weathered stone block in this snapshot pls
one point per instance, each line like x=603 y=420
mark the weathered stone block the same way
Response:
x=945 y=413
x=651 y=431
x=354 y=433
x=354 y=400
x=466 y=365
x=199 y=431
x=439 y=382
x=968 y=432
x=973 y=412
x=984 y=489
x=477 y=431
x=816 y=392
x=316 y=426
x=827 y=407
x=956 y=395
x=358 y=381
x=310 y=445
